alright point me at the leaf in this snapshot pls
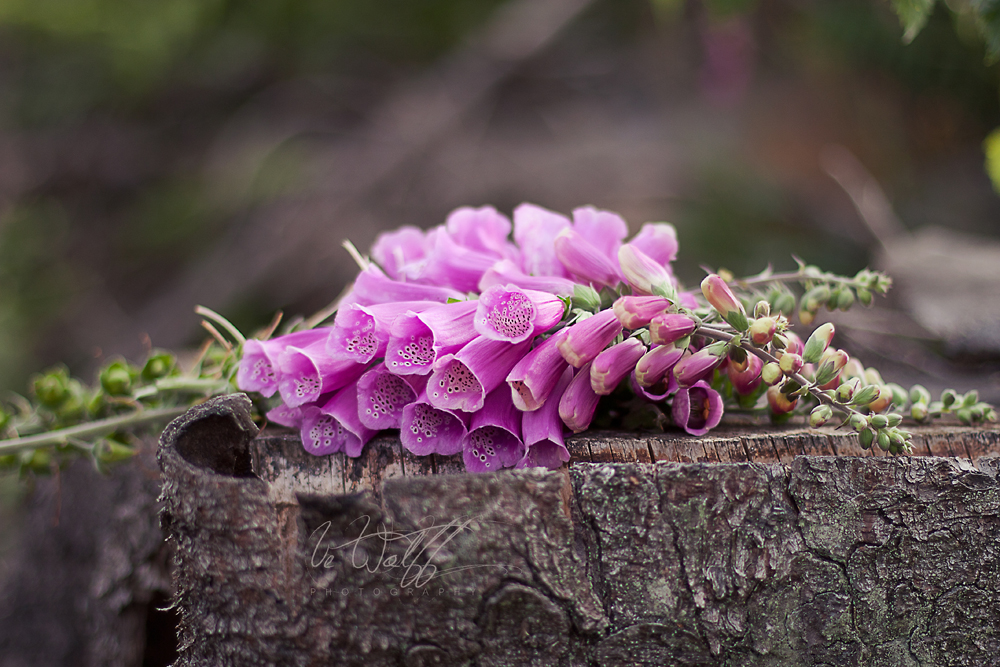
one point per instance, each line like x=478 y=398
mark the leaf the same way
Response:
x=913 y=14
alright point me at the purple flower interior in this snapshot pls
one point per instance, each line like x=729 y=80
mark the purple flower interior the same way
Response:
x=544 y=454
x=354 y=334
x=256 y=373
x=699 y=407
x=489 y=448
x=412 y=350
x=322 y=434
x=426 y=430
x=300 y=382
x=455 y=386
x=381 y=399
x=509 y=315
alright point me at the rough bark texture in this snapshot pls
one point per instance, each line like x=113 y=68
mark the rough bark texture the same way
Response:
x=738 y=551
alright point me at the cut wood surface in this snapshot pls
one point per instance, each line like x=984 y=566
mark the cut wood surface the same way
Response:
x=758 y=546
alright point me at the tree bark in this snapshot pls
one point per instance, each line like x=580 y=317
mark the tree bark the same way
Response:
x=758 y=547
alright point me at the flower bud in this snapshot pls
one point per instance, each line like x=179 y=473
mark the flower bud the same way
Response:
x=644 y=274
x=919 y=394
x=895 y=419
x=845 y=299
x=865 y=395
x=51 y=388
x=948 y=398
x=855 y=369
x=780 y=403
x=790 y=362
x=865 y=297
x=845 y=392
x=883 y=401
x=883 y=441
x=116 y=379
x=721 y=298
x=879 y=421
x=785 y=303
x=637 y=311
x=820 y=415
x=746 y=380
x=586 y=298
x=670 y=328
x=779 y=342
x=919 y=411
x=896 y=438
x=762 y=309
x=872 y=376
x=790 y=387
x=899 y=395
x=762 y=330
x=771 y=373
x=814 y=298
x=970 y=399
x=694 y=367
x=833 y=362
x=866 y=438
x=806 y=317
x=818 y=342
x=858 y=422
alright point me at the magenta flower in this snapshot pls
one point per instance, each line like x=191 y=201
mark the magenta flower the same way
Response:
x=655 y=366
x=584 y=260
x=399 y=248
x=335 y=426
x=417 y=340
x=612 y=365
x=535 y=231
x=578 y=402
x=382 y=396
x=285 y=416
x=515 y=315
x=494 y=438
x=643 y=273
x=670 y=328
x=658 y=241
x=721 y=298
x=361 y=332
x=373 y=286
x=506 y=272
x=425 y=429
x=306 y=373
x=694 y=367
x=483 y=230
x=778 y=402
x=587 y=338
x=258 y=367
x=657 y=392
x=461 y=381
x=602 y=229
x=747 y=380
x=637 y=311
x=448 y=263
x=542 y=431
x=534 y=377
x=697 y=409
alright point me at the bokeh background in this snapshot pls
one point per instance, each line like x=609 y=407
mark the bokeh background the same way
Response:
x=155 y=156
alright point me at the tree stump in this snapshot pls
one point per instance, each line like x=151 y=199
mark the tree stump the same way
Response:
x=755 y=547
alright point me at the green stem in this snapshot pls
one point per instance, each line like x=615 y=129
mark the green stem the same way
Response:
x=81 y=431
x=791 y=277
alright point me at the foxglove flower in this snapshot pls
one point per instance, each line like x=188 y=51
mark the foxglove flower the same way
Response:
x=654 y=366
x=638 y=311
x=416 y=340
x=535 y=231
x=585 y=261
x=602 y=229
x=697 y=409
x=399 y=248
x=483 y=230
x=448 y=263
x=762 y=330
x=494 y=438
x=587 y=338
x=745 y=381
x=373 y=286
x=426 y=430
x=515 y=315
x=383 y=395
x=670 y=328
x=258 y=368
x=657 y=392
x=718 y=294
x=644 y=274
x=335 y=426
x=658 y=241
x=780 y=403
x=462 y=380
x=534 y=377
x=542 y=431
x=305 y=373
x=286 y=416
x=506 y=272
x=612 y=365
x=578 y=402
x=694 y=367
x=361 y=332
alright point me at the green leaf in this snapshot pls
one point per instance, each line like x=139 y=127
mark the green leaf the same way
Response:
x=913 y=14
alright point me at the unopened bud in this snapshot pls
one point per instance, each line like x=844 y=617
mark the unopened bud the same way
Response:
x=970 y=399
x=762 y=309
x=791 y=363
x=872 y=376
x=718 y=294
x=879 y=421
x=895 y=419
x=161 y=363
x=855 y=369
x=883 y=401
x=820 y=415
x=771 y=373
x=779 y=342
x=865 y=297
x=817 y=343
x=780 y=403
x=965 y=416
x=845 y=392
x=899 y=395
x=51 y=388
x=865 y=395
x=833 y=362
x=918 y=411
x=116 y=379
x=896 y=438
x=948 y=398
x=806 y=316
x=845 y=299
x=866 y=438
x=762 y=330
x=858 y=421
x=919 y=394
x=816 y=297
x=883 y=441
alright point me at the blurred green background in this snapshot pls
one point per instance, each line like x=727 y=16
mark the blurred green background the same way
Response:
x=158 y=155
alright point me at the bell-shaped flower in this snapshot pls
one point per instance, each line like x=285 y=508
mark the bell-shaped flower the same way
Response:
x=362 y=332
x=425 y=430
x=494 y=438
x=534 y=377
x=746 y=380
x=506 y=272
x=657 y=240
x=602 y=229
x=461 y=381
x=697 y=409
x=670 y=328
x=655 y=365
x=638 y=311
x=656 y=393
x=587 y=338
x=585 y=261
x=373 y=286
x=535 y=231
x=718 y=294
x=780 y=403
x=578 y=402
x=694 y=367
x=286 y=416
x=612 y=365
x=399 y=248
x=644 y=274
x=335 y=426
x=306 y=373
x=258 y=370
x=483 y=230
x=448 y=263
x=542 y=430
x=383 y=395
x=417 y=340
x=512 y=314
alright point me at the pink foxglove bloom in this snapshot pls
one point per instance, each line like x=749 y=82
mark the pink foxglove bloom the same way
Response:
x=670 y=328
x=506 y=272
x=416 y=340
x=306 y=373
x=542 y=431
x=585 y=261
x=638 y=311
x=612 y=365
x=778 y=402
x=721 y=298
x=535 y=231
x=361 y=332
x=657 y=392
x=373 y=286
x=462 y=380
x=425 y=429
x=534 y=377
x=658 y=241
x=448 y=263
x=587 y=338
x=515 y=315
x=655 y=366
x=382 y=396
x=494 y=439
x=602 y=229
x=643 y=273
x=258 y=369
x=336 y=427
x=395 y=250
x=746 y=381
x=483 y=230
x=697 y=409
x=694 y=367
x=578 y=402
x=286 y=416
